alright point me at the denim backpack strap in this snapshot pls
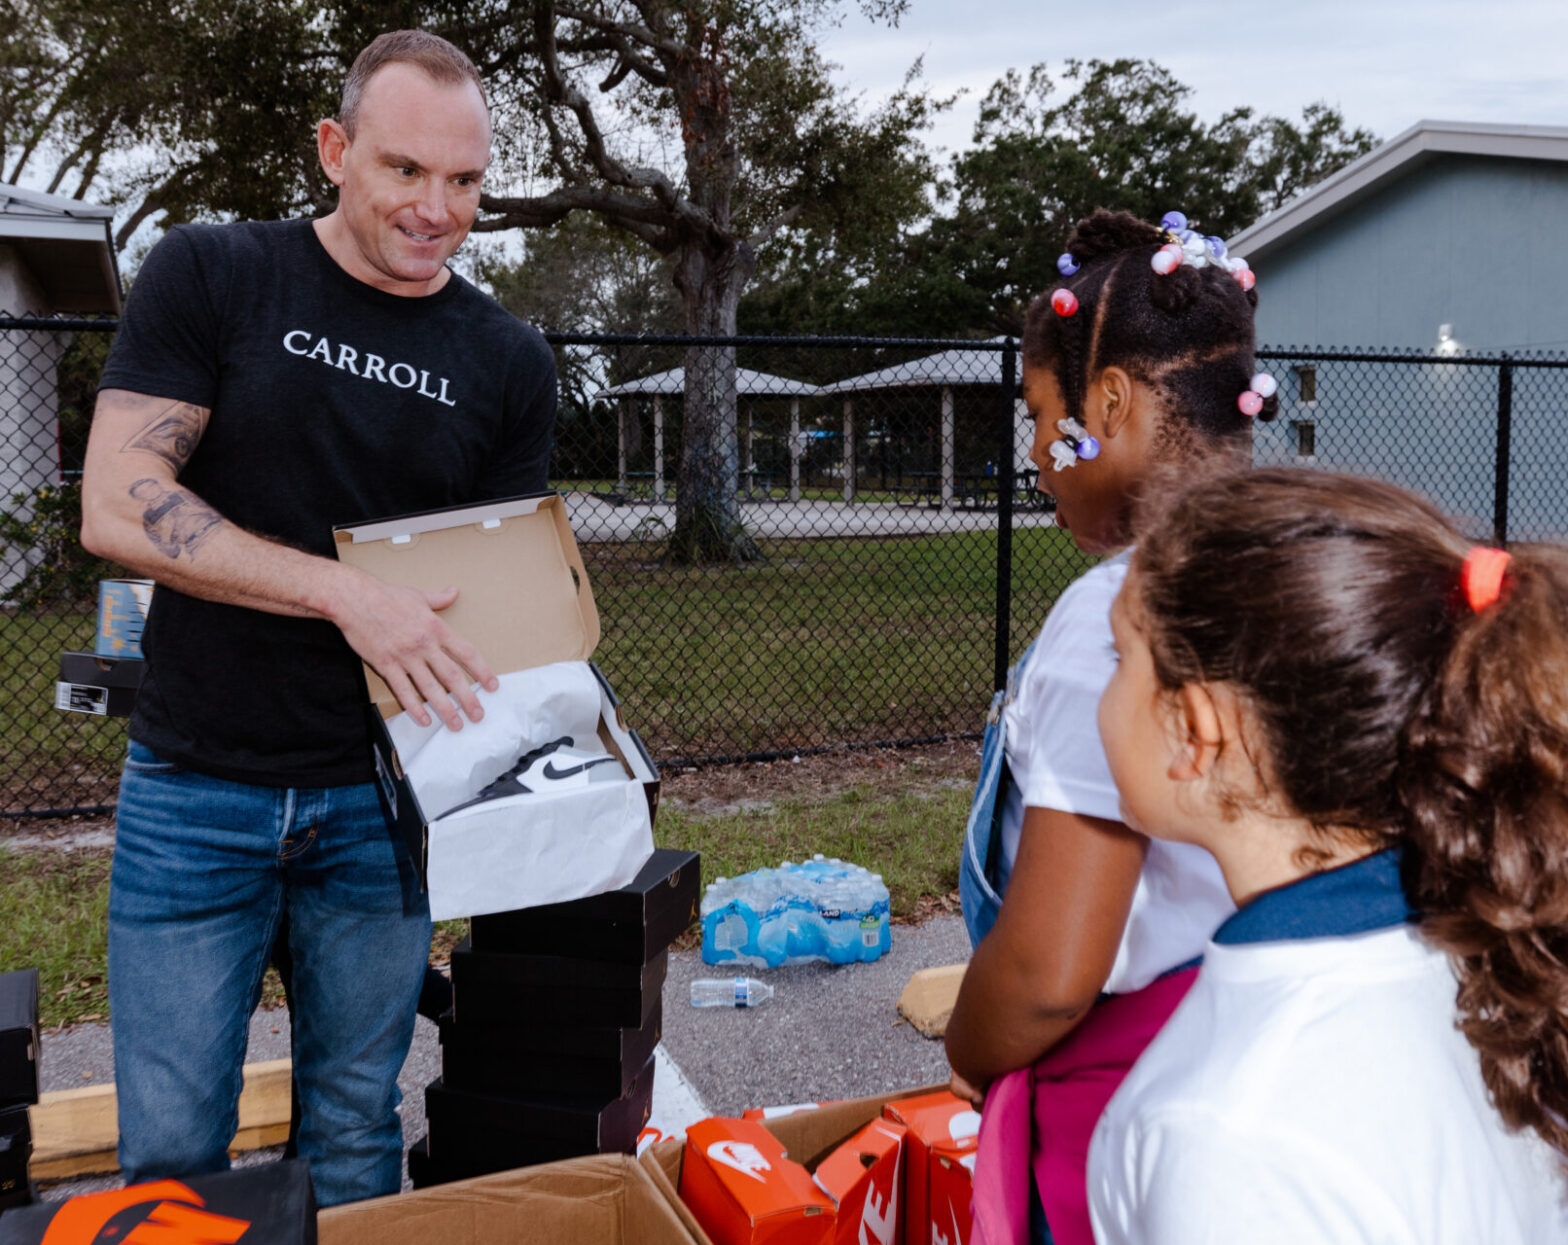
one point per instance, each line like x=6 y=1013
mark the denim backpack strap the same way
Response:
x=980 y=864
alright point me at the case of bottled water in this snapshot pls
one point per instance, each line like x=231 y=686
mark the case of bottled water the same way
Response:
x=821 y=909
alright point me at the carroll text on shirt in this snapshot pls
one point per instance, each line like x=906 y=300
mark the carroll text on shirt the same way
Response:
x=368 y=366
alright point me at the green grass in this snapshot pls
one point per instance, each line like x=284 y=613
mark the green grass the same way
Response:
x=54 y=916
x=826 y=641
x=911 y=839
x=48 y=758
x=54 y=905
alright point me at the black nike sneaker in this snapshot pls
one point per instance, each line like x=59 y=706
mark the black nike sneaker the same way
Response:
x=555 y=766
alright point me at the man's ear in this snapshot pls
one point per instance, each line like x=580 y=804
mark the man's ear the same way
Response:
x=331 y=147
x=1200 y=733
x=1115 y=391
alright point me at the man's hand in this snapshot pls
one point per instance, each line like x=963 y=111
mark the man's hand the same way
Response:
x=397 y=632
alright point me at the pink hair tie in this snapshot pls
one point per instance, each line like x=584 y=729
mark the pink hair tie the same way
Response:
x=1482 y=576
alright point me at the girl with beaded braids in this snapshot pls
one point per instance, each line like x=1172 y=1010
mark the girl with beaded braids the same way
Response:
x=1365 y=720
x=1142 y=356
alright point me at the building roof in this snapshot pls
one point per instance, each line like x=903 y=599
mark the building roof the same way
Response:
x=958 y=366
x=1397 y=158
x=68 y=246
x=747 y=383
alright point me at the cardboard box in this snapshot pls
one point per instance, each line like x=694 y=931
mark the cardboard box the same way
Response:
x=546 y=1058
x=865 y=1179
x=272 y=1203
x=603 y=1200
x=779 y=1112
x=627 y=926
x=744 y=1190
x=935 y=1119
x=105 y=686
x=18 y=1037
x=952 y=1184
x=478 y=1133
x=122 y=614
x=524 y=990
x=524 y=602
x=808 y=1138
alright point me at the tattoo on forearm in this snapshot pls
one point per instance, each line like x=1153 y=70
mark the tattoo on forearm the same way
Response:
x=175 y=521
x=172 y=434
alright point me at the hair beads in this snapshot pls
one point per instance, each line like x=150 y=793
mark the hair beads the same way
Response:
x=1064 y=302
x=1262 y=388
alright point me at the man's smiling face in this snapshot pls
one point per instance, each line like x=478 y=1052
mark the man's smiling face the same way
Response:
x=409 y=177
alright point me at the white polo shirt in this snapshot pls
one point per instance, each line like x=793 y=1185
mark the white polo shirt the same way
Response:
x=1315 y=1090
x=1057 y=761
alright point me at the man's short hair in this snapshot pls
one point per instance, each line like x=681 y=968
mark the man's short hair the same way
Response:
x=445 y=63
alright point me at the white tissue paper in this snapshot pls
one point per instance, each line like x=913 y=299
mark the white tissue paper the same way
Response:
x=552 y=844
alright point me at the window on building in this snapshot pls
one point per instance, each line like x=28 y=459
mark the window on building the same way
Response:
x=1307 y=382
x=1306 y=437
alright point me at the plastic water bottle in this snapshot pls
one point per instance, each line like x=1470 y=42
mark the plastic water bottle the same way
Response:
x=729 y=992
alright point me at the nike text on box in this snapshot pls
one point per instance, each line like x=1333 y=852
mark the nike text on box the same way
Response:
x=941 y=1119
x=554 y=820
x=865 y=1179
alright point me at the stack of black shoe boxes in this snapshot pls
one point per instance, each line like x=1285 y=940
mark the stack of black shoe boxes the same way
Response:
x=18 y=1083
x=547 y=1052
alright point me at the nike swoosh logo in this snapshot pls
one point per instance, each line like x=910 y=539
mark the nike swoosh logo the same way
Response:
x=554 y=775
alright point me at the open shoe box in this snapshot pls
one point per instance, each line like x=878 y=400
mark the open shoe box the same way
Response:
x=524 y=602
x=808 y=1137
x=604 y=1199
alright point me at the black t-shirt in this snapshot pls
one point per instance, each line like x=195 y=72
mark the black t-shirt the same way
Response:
x=332 y=402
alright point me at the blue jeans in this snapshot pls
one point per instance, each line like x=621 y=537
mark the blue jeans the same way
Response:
x=203 y=871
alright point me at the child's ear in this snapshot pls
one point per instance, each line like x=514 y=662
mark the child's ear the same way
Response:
x=1199 y=732
x=1115 y=392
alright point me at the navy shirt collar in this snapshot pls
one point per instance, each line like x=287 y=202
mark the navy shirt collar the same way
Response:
x=1352 y=899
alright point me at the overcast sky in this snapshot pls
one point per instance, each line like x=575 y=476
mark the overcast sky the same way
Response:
x=1385 y=63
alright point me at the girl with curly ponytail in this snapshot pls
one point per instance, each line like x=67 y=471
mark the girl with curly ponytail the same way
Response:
x=1084 y=931
x=1365 y=720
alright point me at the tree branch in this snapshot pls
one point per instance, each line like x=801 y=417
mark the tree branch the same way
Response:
x=631 y=31
x=764 y=234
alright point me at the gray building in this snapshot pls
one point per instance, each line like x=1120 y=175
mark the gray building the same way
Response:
x=1447 y=241
x=56 y=256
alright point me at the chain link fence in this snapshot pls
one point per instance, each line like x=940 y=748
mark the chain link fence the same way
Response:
x=795 y=543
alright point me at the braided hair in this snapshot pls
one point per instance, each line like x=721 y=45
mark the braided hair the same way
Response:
x=1188 y=334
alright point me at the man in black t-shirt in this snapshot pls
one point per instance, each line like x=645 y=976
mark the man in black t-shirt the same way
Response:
x=269 y=381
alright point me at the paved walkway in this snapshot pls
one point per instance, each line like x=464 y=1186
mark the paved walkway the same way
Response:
x=828 y=1032
x=594 y=518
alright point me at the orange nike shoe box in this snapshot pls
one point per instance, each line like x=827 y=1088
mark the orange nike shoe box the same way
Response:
x=939 y=1119
x=952 y=1183
x=272 y=1203
x=865 y=1177
x=744 y=1190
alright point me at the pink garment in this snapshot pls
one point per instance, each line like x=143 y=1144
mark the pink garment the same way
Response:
x=1040 y=1119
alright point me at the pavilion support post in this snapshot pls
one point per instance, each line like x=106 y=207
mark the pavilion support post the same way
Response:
x=623 y=410
x=751 y=452
x=796 y=450
x=949 y=446
x=849 y=449
x=658 y=448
